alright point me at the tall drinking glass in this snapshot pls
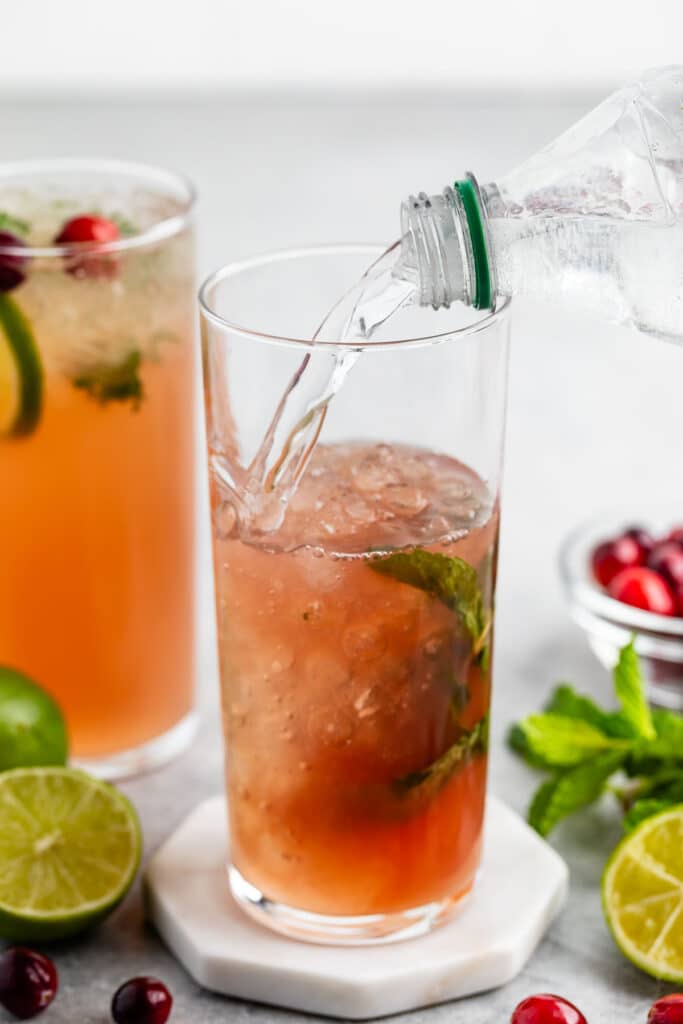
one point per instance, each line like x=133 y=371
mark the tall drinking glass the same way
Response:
x=356 y=623
x=97 y=350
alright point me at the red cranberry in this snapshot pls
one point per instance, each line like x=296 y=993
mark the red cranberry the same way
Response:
x=546 y=1009
x=667 y=560
x=12 y=265
x=28 y=982
x=141 y=1001
x=676 y=535
x=613 y=556
x=90 y=230
x=643 y=588
x=643 y=539
x=668 y=1010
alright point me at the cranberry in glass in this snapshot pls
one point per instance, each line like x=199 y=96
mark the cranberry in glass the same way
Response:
x=12 y=264
x=28 y=982
x=643 y=539
x=613 y=556
x=546 y=1009
x=643 y=588
x=668 y=1010
x=141 y=1001
x=89 y=229
x=667 y=560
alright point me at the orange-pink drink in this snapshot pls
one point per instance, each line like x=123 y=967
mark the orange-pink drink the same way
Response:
x=355 y=647
x=97 y=459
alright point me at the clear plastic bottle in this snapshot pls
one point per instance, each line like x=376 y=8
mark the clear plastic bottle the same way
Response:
x=595 y=219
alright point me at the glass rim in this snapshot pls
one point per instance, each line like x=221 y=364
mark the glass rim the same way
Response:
x=164 y=228
x=488 y=319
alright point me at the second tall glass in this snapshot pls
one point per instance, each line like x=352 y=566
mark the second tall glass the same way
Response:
x=355 y=620
x=97 y=352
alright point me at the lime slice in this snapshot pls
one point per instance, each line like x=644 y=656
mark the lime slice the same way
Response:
x=69 y=848
x=21 y=372
x=642 y=895
x=32 y=730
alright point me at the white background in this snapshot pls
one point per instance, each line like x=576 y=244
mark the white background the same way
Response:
x=63 y=46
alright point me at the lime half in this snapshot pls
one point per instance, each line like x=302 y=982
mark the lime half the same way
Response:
x=642 y=895
x=21 y=372
x=69 y=849
x=32 y=730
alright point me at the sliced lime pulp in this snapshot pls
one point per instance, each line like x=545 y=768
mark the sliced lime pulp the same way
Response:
x=642 y=894
x=70 y=846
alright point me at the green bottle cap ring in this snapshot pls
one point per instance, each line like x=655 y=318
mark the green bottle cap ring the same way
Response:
x=482 y=274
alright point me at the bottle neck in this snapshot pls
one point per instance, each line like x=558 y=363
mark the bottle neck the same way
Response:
x=446 y=247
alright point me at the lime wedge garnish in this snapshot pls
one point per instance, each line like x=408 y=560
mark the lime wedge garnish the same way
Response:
x=21 y=372
x=32 y=729
x=642 y=895
x=69 y=849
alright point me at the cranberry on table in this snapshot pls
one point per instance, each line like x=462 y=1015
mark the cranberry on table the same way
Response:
x=28 y=982
x=142 y=1001
x=547 y=1009
x=676 y=535
x=613 y=556
x=643 y=588
x=667 y=560
x=12 y=264
x=89 y=229
x=668 y=1010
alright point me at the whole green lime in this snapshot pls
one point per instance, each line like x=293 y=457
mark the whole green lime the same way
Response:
x=32 y=728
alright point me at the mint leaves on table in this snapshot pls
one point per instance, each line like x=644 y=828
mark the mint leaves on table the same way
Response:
x=17 y=226
x=451 y=580
x=118 y=383
x=583 y=746
x=470 y=742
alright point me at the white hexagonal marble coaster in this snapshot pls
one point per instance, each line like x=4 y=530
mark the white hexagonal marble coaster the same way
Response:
x=523 y=886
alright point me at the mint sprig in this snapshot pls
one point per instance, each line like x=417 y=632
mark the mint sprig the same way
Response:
x=584 y=746
x=435 y=775
x=118 y=383
x=17 y=226
x=450 y=580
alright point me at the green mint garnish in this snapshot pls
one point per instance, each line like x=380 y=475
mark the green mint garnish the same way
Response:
x=437 y=774
x=14 y=224
x=570 y=791
x=126 y=227
x=584 y=745
x=451 y=580
x=118 y=383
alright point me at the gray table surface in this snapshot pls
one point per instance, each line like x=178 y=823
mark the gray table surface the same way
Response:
x=594 y=420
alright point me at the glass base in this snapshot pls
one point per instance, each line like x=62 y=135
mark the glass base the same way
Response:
x=145 y=758
x=359 y=930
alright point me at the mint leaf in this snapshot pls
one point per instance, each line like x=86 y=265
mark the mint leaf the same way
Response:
x=567 y=702
x=563 y=742
x=16 y=225
x=126 y=227
x=630 y=689
x=118 y=383
x=571 y=790
x=451 y=580
x=475 y=741
x=517 y=741
x=643 y=809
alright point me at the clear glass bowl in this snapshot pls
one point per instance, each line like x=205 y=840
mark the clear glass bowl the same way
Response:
x=608 y=623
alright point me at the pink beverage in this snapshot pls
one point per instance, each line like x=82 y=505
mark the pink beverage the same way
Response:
x=355 y=661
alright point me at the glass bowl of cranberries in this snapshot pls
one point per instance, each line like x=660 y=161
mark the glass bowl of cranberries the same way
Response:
x=624 y=577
